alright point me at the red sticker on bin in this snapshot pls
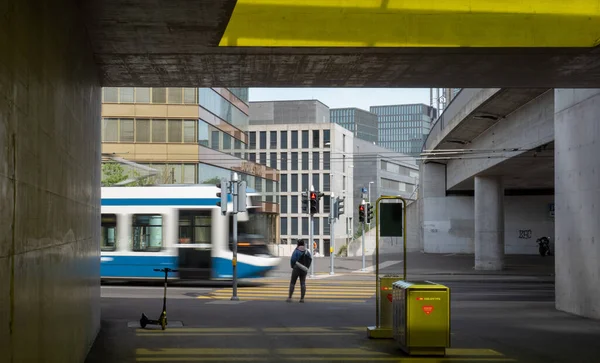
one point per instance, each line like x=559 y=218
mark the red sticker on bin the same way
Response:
x=427 y=309
x=389 y=296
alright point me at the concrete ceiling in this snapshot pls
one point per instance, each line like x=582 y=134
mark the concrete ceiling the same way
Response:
x=499 y=106
x=530 y=170
x=176 y=43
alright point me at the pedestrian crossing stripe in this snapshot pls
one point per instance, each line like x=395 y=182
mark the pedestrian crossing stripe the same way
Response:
x=237 y=331
x=322 y=291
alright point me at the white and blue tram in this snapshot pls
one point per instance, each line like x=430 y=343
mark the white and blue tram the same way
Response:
x=180 y=227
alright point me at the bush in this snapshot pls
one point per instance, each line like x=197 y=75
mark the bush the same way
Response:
x=343 y=251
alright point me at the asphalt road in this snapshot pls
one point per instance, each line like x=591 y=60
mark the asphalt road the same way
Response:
x=491 y=322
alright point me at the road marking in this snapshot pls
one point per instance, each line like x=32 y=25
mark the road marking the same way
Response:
x=424 y=23
x=381 y=265
x=202 y=351
x=479 y=352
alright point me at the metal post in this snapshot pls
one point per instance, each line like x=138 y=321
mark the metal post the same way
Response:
x=234 y=197
x=332 y=205
x=310 y=232
x=363 y=248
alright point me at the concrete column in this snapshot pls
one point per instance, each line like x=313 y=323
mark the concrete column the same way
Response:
x=577 y=201
x=489 y=223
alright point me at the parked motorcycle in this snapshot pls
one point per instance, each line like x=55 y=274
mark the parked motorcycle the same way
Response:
x=544 y=246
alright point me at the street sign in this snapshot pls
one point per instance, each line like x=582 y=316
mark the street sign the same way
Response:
x=363 y=190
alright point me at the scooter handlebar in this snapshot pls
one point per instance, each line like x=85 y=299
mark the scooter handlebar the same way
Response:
x=165 y=269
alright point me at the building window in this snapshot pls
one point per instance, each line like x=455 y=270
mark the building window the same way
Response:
x=263 y=158
x=316 y=136
x=326 y=161
x=263 y=140
x=305 y=182
x=252 y=137
x=305 y=226
x=305 y=161
x=294 y=139
x=326 y=139
x=294 y=161
x=283 y=206
x=273 y=139
x=316 y=165
x=159 y=130
x=326 y=182
x=294 y=204
x=315 y=181
x=147 y=232
x=326 y=227
x=159 y=95
x=284 y=183
x=283 y=140
x=274 y=160
x=284 y=226
x=294 y=226
x=326 y=204
x=284 y=161
x=305 y=139
x=294 y=186
x=109 y=232
x=316 y=227
x=252 y=157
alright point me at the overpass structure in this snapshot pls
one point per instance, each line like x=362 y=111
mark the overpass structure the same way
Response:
x=503 y=167
x=55 y=57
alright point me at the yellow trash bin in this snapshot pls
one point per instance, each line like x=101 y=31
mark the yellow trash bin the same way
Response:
x=421 y=317
x=383 y=329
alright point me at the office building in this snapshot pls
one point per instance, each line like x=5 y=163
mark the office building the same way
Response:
x=190 y=135
x=386 y=172
x=288 y=112
x=306 y=153
x=361 y=123
x=403 y=128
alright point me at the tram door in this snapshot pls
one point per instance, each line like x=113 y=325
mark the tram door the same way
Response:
x=194 y=244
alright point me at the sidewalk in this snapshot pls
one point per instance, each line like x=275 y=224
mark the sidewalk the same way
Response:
x=435 y=266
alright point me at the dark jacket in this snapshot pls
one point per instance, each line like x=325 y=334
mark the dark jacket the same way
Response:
x=296 y=255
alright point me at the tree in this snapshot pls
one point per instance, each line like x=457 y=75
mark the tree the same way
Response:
x=213 y=180
x=112 y=173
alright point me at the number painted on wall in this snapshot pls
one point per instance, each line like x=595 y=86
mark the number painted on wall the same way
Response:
x=525 y=233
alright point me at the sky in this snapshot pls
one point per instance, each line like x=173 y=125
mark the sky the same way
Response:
x=344 y=97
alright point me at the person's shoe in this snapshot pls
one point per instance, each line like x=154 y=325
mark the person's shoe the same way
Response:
x=289 y=299
x=301 y=300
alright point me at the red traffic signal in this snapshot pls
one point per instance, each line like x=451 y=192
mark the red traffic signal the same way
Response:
x=361 y=208
x=313 y=196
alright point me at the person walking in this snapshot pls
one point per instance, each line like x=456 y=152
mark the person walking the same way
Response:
x=300 y=262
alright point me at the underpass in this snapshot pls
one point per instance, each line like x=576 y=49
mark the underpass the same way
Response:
x=495 y=318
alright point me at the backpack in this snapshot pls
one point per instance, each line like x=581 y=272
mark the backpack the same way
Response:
x=305 y=259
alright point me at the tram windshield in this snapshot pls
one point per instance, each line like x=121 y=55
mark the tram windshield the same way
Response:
x=251 y=233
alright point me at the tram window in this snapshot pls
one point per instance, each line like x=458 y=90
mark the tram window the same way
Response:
x=147 y=232
x=194 y=227
x=109 y=232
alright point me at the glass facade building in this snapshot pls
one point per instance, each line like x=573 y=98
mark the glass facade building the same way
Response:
x=189 y=135
x=363 y=124
x=403 y=128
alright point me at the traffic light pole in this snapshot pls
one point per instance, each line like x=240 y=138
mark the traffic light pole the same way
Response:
x=332 y=206
x=234 y=195
x=363 y=248
x=312 y=249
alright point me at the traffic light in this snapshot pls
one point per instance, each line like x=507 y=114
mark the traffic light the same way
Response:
x=224 y=186
x=313 y=203
x=304 y=202
x=340 y=207
x=361 y=212
x=369 y=212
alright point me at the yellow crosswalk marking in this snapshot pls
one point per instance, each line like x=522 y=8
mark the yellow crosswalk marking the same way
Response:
x=317 y=291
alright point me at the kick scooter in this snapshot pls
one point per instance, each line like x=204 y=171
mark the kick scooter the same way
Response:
x=162 y=319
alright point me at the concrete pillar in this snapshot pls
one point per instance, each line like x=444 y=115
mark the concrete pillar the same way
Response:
x=577 y=201
x=489 y=223
x=49 y=183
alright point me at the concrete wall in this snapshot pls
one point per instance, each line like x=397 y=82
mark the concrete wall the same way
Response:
x=49 y=184
x=449 y=222
x=577 y=130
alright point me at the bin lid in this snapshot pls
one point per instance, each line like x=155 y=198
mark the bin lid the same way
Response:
x=418 y=284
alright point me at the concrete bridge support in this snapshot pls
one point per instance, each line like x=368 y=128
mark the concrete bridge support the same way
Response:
x=577 y=183
x=489 y=223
